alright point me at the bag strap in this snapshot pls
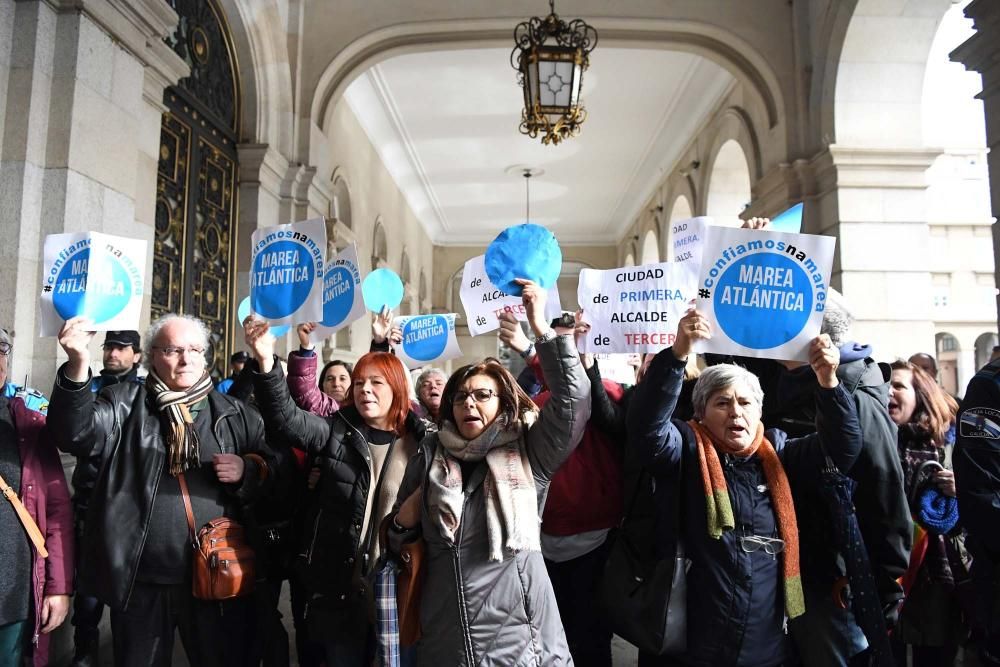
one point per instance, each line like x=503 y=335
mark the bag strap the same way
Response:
x=22 y=513
x=186 y=497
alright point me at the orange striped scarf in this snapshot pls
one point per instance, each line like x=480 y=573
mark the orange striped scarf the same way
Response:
x=720 y=508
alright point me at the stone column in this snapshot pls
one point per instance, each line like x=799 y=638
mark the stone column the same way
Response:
x=981 y=53
x=80 y=138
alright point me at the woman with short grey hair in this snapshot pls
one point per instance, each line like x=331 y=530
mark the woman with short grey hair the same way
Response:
x=733 y=481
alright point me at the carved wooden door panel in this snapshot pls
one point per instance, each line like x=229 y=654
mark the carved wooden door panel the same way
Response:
x=196 y=207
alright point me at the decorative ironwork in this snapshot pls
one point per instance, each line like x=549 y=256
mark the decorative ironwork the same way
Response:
x=201 y=40
x=193 y=251
x=551 y=56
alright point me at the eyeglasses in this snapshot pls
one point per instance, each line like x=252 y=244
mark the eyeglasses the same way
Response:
x=171 y=352
x=5 y=348
x=478 y=395
x=771 y=545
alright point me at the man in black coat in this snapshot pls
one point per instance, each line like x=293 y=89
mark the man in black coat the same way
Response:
x=977 y=479
x=137 y=555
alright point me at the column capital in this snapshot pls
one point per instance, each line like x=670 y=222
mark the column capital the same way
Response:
x=262 y=165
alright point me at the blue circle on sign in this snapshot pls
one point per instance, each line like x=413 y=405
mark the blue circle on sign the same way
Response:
x=763 y=300
x=338 y=296
x=109 y=285
x=425 y=338
x=382 y=288
x=283 y=278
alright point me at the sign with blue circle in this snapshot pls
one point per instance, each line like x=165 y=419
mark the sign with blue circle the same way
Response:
x=382 y=288
x=92 y=275
x=527 y=251
x=764 y=292
x=427 y=339
x=343 y=302
x=287 y=265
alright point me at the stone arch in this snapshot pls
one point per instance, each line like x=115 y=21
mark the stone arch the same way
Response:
x=984 y=348
x=629 y=258
x=380 y=246
x=650 y=247
x=947 y=352
x=738 y=57
x=878 y=94
x=340 y=202
x=728 y=188
x=681 y=209
x=265 y=74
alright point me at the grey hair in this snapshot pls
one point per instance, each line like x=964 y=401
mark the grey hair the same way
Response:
x=837 y=318
x=429 y=372
x=157 y=326
x=716 y=378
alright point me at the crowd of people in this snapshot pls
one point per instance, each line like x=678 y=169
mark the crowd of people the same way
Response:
x=839 y=512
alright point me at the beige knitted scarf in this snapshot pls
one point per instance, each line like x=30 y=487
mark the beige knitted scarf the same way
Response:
x=183 y=447
x=512 y=520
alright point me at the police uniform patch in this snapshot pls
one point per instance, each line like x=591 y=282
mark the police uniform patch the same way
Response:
x=980 y=423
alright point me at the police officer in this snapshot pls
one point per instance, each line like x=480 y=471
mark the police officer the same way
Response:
x=977 y=478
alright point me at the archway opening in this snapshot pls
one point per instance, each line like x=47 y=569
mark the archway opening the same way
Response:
x=650 y=248
x=728 y=185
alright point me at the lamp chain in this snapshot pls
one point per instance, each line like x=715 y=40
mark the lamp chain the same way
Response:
x=527 y=195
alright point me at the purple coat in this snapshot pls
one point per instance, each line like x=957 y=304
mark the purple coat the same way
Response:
x=45 y=494
x=303 y=387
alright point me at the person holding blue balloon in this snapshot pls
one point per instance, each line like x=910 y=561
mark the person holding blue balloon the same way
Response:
x=474 y=494
x=362 y=451
x=931 y=619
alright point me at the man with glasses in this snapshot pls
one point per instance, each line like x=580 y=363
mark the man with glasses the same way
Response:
x=122 y=356
x=147 y=438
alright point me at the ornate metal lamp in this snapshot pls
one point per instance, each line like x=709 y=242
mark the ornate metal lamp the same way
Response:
x=551 y=56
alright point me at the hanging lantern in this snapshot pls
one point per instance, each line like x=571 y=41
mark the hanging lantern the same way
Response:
x=551 y=56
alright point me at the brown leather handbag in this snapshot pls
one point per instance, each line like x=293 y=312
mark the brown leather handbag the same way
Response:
x=408 y=586
x=223 y=565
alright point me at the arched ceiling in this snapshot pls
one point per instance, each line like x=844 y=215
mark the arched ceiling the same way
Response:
x=445 y=125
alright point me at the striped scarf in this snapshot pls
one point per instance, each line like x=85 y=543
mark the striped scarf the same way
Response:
x=184 y=449
x=720 y=508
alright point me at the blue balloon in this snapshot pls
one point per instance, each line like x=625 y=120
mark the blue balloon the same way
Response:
x=788 y=221
x=382 y=288
x=111 y=282
x=526 y=251
x=243 y=310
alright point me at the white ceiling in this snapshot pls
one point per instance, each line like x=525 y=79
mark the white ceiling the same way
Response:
x=445 y=125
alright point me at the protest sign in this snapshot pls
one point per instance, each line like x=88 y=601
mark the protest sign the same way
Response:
x=788 y=221
x=483 y=302
x=763 y=292
x=343 y=302
x=98 y=276
x=527 y=251
x=615 y=367
x=636 y=308
x=427 y=339
x=286 y=285
x=688 y=238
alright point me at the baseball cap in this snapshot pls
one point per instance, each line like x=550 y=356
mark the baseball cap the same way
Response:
x=123 y=339
x=238 y=357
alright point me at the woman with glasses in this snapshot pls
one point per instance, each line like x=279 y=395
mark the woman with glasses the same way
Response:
x=362 y=451
x=724 y=491
x=474 y=493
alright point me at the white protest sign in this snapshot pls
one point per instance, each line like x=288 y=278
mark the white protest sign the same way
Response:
x=286 y=274
x=764 y=292
x=98 y=276
x=636 y=308
x=343 y=302
x=427 y=339
x=615 y=367
x=483 y=302
x=688 y=239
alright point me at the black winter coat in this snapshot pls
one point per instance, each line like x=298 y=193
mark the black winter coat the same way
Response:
x=735 y=602
x=122 y=429
x=330 y=544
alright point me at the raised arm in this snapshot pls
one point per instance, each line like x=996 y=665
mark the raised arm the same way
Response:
x=298 y=427
x=605 y=414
